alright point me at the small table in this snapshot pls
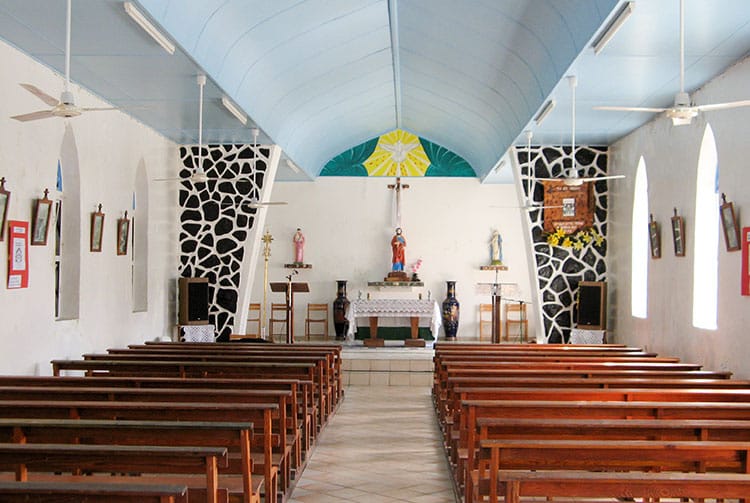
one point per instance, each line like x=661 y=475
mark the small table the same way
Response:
x=398 y=308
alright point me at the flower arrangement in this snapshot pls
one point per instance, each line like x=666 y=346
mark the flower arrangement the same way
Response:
x=576 y=240
x=414 y=268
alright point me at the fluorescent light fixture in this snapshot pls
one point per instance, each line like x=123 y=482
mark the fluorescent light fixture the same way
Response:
x=148 y=27
x=544 y=112
x=499 y=165
x=234 y=110
x=293 y=166
x=612 y=28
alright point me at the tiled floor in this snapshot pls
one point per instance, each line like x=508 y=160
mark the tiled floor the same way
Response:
x=382 y=446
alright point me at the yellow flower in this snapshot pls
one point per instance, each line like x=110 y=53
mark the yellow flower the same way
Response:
x=560 y=233
x=553 y=240
x=587 y=238
x=567 y=243
x=578 y=245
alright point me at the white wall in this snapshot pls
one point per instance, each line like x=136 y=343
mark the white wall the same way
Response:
x=671 y=156
x=110 y=146
x=347 y=225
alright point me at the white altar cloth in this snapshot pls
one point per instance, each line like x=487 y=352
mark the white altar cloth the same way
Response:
x=196 y=333
x=394 y=308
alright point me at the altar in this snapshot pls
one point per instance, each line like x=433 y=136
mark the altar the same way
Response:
x=414 y=309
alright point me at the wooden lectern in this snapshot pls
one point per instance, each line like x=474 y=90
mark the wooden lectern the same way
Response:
x=290 y=289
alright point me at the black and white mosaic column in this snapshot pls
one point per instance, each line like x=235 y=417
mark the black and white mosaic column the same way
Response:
x=214 y=224
x=560 y=269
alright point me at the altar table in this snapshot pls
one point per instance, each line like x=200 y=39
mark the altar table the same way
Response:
x=414 y=309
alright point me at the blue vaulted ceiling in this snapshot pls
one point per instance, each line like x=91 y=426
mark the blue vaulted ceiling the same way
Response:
x=321 y=76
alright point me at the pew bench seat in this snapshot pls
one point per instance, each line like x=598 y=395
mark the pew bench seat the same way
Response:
x=515 y=484
x=26 y=492
x=198 y=465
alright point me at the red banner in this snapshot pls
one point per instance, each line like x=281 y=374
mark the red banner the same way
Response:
x=746 y=261
x=18 y=254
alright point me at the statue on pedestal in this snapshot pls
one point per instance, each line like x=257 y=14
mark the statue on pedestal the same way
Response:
x=496 y=249
x=398 y=246
x=299 y=246
x=398 y=258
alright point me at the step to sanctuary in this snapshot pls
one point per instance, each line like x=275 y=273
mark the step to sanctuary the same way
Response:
x=387 y=366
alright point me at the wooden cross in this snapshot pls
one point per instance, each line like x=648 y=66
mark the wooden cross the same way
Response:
x=397 y=188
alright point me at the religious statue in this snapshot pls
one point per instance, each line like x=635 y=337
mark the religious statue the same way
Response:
x=398 y=245
x=299 y=246
x=496 y=249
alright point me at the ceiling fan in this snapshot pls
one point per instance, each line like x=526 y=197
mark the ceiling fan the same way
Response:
x=66 y=106
x=199 y=175
x=528 y=205
x=683 y=111
x=573 y=179
x=252 y=203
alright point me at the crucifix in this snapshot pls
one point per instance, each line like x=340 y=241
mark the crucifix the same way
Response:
x=396 y=187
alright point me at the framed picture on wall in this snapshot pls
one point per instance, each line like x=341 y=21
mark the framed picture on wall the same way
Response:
x=123 y=228
x=678 y=234
x=97 y=230
x=4 y=200
x=654 y=237
x=40 y=224
x=730 y=225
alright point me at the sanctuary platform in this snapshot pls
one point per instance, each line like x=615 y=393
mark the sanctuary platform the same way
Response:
x=387 y=366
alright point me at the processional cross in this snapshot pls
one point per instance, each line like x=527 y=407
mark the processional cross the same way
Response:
x=396 y=187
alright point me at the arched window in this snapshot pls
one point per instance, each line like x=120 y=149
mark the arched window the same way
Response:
x=68 y=232
x=706 y=242
x=139 y=256
x=639 y=245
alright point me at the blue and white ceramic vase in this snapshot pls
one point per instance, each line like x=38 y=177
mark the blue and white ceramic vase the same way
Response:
x=450 y=312
x=340 y=305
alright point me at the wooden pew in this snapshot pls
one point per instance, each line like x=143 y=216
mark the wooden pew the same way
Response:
x=480 y=346
x=332 y=351
x=325 y=383
x=92 y=393
x=259 y=414
x=91 y=492
x=595 y=394
x=23 y=459
x=442 y=401
x=301 y=390
x=235 y=437
x=602 y=455
x=577 y=484
x=191 y=368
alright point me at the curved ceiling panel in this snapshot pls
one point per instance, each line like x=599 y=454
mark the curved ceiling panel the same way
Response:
x=319 y=75
x=472 y=81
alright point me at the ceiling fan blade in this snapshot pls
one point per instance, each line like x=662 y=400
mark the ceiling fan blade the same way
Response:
x=95 y=109
x=40 y=94
x=630 y=109
x=33 y=116
x=598 y=178
x=261 y=205
x=723 y=106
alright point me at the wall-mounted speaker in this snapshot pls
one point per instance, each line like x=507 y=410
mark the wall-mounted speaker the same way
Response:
x=193 y=301
x=592 y=305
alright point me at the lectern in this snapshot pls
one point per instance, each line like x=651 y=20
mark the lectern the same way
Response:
x=290 y=289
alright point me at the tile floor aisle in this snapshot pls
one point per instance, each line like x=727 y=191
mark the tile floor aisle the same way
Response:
x=382 y=445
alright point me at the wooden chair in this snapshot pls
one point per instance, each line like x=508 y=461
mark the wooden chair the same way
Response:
x=316 y=313
x=485 y=321
x=278 y=316
x=515 y=314
x=253 y=316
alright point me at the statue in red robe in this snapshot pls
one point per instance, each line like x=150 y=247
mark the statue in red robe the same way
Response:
x=398 y=246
